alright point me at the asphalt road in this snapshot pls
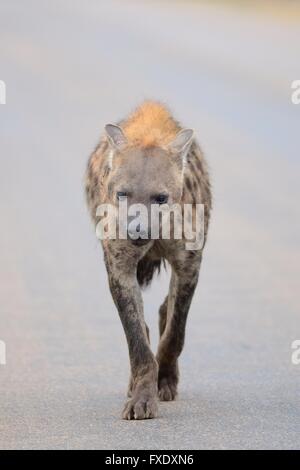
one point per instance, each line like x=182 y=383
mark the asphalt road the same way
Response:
x=69 y=68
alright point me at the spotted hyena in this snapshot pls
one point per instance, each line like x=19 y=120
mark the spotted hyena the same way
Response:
x=150 y=159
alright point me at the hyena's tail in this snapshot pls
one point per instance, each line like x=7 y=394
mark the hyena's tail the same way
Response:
x=146 y=269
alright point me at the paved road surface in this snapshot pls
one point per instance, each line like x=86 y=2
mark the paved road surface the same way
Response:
x=69 y=68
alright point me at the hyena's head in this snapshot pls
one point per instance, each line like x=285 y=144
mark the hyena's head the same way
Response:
x=151 y=175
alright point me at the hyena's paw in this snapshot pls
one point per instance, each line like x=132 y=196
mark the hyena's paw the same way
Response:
x=167 y=390
x=141 y=406
x=167 y=387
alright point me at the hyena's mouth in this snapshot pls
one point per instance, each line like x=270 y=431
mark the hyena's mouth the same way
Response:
x=140 y=241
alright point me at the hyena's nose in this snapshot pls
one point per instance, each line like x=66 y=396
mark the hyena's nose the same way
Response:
x=139 y=236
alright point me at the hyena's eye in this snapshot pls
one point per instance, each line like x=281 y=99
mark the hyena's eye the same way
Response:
x=161 y=198
x=121 y=195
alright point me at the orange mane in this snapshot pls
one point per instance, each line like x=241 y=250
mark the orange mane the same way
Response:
x=151 y=124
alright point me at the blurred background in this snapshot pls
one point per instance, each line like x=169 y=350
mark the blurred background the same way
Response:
x=224 y=68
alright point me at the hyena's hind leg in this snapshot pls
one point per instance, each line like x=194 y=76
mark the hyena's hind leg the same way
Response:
x=172 y=323
x=163 y=316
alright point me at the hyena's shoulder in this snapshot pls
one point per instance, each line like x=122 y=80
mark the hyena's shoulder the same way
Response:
x=96 y=172
x=196 y=183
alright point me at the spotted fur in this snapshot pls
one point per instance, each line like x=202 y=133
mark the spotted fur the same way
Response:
x=143 y=156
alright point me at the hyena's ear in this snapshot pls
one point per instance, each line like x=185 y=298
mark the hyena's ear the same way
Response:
x=181 y=144
x=115 y=136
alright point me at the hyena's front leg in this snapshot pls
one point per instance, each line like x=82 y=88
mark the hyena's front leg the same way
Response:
x=144 y=369
x=173 y=316
x=131 y=381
